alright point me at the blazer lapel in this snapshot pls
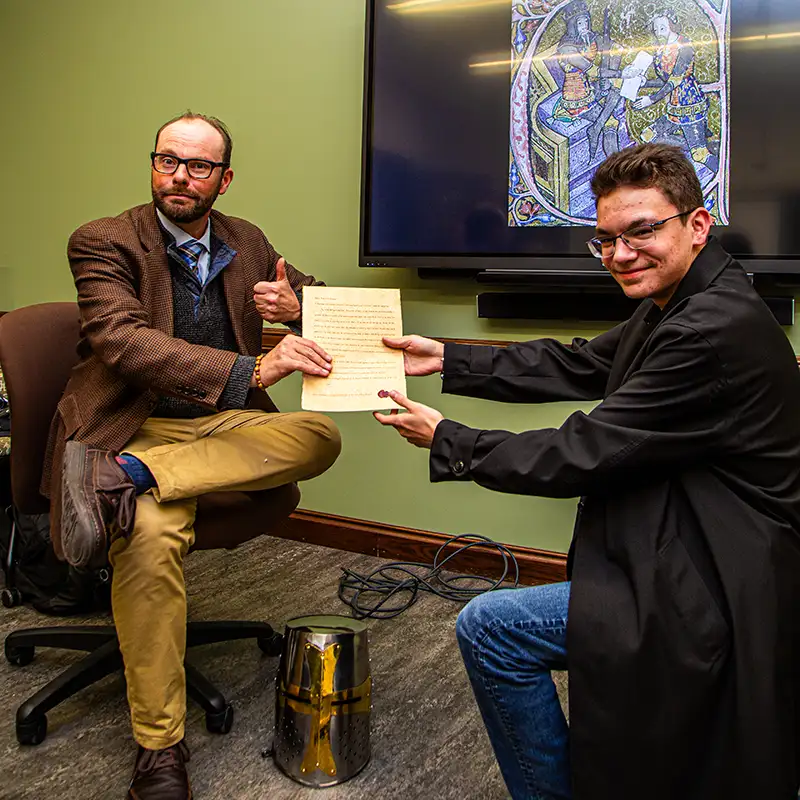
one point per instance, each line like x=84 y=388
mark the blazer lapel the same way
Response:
x=156 y=280
x=160 y=280
x=233 y=278
x=235 y=287
x=233 y=281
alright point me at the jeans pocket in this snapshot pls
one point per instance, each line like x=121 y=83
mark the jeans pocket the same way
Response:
x=696 y=628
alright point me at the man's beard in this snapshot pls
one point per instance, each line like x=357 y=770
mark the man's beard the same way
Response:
x=189 y=211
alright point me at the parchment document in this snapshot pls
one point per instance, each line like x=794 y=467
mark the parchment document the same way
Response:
x=348 y=325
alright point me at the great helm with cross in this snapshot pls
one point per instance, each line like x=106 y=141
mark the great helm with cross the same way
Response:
x=323 y=700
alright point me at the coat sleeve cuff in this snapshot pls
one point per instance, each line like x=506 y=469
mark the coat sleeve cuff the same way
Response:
x=234 y=395
x=451 y=451
x=463 y=359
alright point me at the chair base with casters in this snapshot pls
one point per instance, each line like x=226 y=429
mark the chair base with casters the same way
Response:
x=104 y=658
x=224 y=519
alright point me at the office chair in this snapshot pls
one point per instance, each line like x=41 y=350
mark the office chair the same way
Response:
x=37 y=352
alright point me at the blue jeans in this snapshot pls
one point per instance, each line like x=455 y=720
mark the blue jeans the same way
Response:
x=510 y=640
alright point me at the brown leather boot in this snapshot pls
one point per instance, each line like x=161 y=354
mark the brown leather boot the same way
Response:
x=161 y=774
x=95 y=492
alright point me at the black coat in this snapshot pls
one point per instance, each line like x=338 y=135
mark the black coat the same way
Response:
x=683 y=646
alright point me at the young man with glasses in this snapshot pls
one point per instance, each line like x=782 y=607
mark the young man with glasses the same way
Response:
x=169 y=401
x=681 y=639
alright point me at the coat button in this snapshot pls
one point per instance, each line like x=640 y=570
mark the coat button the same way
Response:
x=458 y=468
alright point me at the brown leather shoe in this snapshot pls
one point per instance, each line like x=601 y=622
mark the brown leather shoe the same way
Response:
x=161 y=774
x=95 y=492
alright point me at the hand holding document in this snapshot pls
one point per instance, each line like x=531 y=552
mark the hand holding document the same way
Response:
x=349 y=325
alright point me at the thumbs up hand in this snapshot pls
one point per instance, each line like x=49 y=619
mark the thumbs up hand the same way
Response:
x=276 y=300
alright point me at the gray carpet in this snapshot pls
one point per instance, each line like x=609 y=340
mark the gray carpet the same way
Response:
x=427 y=737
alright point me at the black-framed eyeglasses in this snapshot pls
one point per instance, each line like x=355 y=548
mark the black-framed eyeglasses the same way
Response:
x=636 y=238
x=197 y=168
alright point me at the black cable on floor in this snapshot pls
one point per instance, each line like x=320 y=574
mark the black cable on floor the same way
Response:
x=402 y=581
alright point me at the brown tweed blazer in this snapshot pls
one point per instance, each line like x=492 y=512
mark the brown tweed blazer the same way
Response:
x=127 y=353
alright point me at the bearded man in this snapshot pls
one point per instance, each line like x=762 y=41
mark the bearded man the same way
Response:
x=169 y=401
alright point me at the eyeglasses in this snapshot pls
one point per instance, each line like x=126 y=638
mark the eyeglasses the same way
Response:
x=196 y=167
x=636 y=238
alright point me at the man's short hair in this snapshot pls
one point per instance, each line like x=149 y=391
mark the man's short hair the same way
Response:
x=646 y=166
x=215 y=123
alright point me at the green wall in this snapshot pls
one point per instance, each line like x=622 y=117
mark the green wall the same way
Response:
x=85 y=86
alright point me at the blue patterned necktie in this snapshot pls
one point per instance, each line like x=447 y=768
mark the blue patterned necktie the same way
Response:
x=190 y=252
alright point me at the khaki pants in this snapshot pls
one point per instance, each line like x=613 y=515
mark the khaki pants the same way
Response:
x=237 y=450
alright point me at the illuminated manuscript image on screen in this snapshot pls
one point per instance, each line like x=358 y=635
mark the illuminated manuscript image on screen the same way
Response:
x=590 y=77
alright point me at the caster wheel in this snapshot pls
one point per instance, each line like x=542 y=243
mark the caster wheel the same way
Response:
x=220 y=722
x=10 y=597
x=18 y=656
x=33 y=731
x=271 y=645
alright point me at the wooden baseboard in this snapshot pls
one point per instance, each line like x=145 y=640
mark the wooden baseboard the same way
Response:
x=408 y=544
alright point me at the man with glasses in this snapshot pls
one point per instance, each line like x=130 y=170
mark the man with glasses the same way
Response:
x=681 y=639
x=169 y=401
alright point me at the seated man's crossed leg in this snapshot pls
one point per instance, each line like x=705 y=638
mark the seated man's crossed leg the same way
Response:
x=160 y=473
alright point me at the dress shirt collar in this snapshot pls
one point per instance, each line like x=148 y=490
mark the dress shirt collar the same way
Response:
x=180 y=235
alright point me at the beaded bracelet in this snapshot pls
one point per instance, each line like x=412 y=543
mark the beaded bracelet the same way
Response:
x=257 y=373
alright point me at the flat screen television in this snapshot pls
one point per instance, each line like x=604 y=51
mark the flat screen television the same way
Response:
x=484 y=120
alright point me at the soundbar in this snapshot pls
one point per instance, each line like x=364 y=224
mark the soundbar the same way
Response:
x=591 y=306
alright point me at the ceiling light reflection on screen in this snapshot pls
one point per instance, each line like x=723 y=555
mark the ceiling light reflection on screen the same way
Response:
x=441 y=6
x=501 y=64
